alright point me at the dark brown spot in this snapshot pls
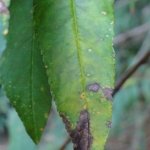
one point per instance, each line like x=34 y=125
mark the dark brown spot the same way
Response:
x=93 y=87
x=108 y=93
x=108 y=124
x=3 y=8
x=81 y=135
x=99 y=40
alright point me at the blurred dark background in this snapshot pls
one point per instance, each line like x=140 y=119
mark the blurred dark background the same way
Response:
x=131 y=112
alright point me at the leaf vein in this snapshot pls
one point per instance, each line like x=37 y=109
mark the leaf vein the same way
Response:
x=31 y=87
x=77 y=43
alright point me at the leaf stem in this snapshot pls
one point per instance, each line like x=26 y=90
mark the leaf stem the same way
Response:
x=130 y=71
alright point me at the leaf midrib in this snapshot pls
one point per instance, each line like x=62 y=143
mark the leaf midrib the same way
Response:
x=77 y=43
x=79 y=53
x=31 y=83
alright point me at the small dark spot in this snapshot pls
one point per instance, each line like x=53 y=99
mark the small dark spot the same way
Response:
x=108 y=93
x=83 y=95
x=108 y=124
x=93 y=87
x=99 y=40
x=3 y=8
x=81 y=135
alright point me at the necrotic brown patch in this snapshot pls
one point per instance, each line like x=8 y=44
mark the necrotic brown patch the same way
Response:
x=3 y=8
x=93 y=87
x=108 y=93
x=81 y=135
x=108 y=124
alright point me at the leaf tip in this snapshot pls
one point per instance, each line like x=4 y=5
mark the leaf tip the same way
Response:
x=81 y=135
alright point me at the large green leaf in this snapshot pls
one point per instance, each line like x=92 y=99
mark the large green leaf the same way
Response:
x=19 y=139
x=23 y=73
x=53 y=136
x=76 y=41
x=4 y=17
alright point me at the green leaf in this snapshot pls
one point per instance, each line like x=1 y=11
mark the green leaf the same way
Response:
x=55 y=133
x=53 y=136
x=23 y=73
x=19 y=139
x=76 y=41
x=4 y=18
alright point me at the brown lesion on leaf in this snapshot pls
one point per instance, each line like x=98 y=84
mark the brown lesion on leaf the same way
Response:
x=81 y=135
x=3 y=8
x=108 y=93
x=102 y=99
x=94 y=87
x=108 y=124
x=83 y=95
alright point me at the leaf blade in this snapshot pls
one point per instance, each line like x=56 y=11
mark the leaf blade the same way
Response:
x=78 y=53
x=22 y=65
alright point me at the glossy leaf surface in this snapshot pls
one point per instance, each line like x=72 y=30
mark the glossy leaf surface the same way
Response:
x=76 y=41
x=23 y=73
